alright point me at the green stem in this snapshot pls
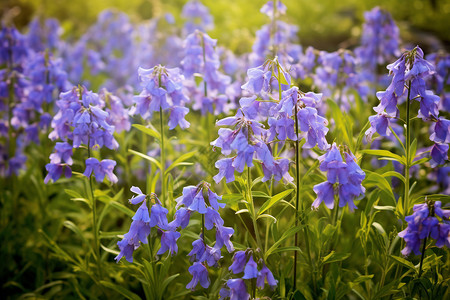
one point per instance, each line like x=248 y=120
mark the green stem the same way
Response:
x=163 y=159
x=422 y=256
x=203 y=228
x=408 y=150
x=336 y=210
x=252 y=207
x=94 y=218
x=297 y=206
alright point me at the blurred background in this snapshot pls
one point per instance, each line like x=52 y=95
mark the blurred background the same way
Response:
x=324 y=24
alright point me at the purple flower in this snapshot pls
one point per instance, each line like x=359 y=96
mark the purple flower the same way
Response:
x=239 y=260
x=213 y=200
x=226 y=170
x=251 y=269
x=126 y=249
x=100 y=169
x=139 y=230
x=442 y=213
x=189 y=193
x=378 y=123
x=238 y=289
x=198 y=249
x=181 y=219
x=211 y=255
x=139 y=197
x=162 y=90
x=441 y=131
x=142 y=213
x=63 y=154
x=169 y=242
x=441 y=235
x=199 y=275
x=380 y=41
x=439 y=154
x=159 y=216
x=55 y=171
x=429 y=106
x=212 y=218
x=198 y=203
x=198 y=16
x=422 y=224
x=263 y=275
x=223 y=235
x=271 y=12
x=258 y=80
x=325 y=193
x=177 y=117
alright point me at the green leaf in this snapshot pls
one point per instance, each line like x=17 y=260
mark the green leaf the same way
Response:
x=124 y=292
x=386 y=153
x=149 y=131
x=376 y=180
x=267 y=216
x=273 y=201
x=404 y=262
x=73 y=193
x=180 y=160
x=413 y=150
x=290 y=232
x=110 y=235
x=259 y=194
x=198 y=78
x=420 y=161
x=283 y=79
x=151 y=159
x=231 y=198
x=363 y=278
x=334 y=257
x=167 y=281
x=395 y=174
x=286 y=249
x=384 y=207
x=241 y=211
x=114 y=252
x=122 y=208
x=70 y=225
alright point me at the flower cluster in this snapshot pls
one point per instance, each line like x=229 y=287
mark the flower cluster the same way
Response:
x=409 y=72
x=380 y=41
x=343 y=179
x=82 y=121
x=243 y=261
x=162 y=91
x=311 y=124
x=245 y=140
x=197 y=17
x=337 y=76
x=141 y=226
x=202 y=254
x=44 y=35
x=201 y=59
x=28 y=85
x=423 y=223
x=276 y=38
